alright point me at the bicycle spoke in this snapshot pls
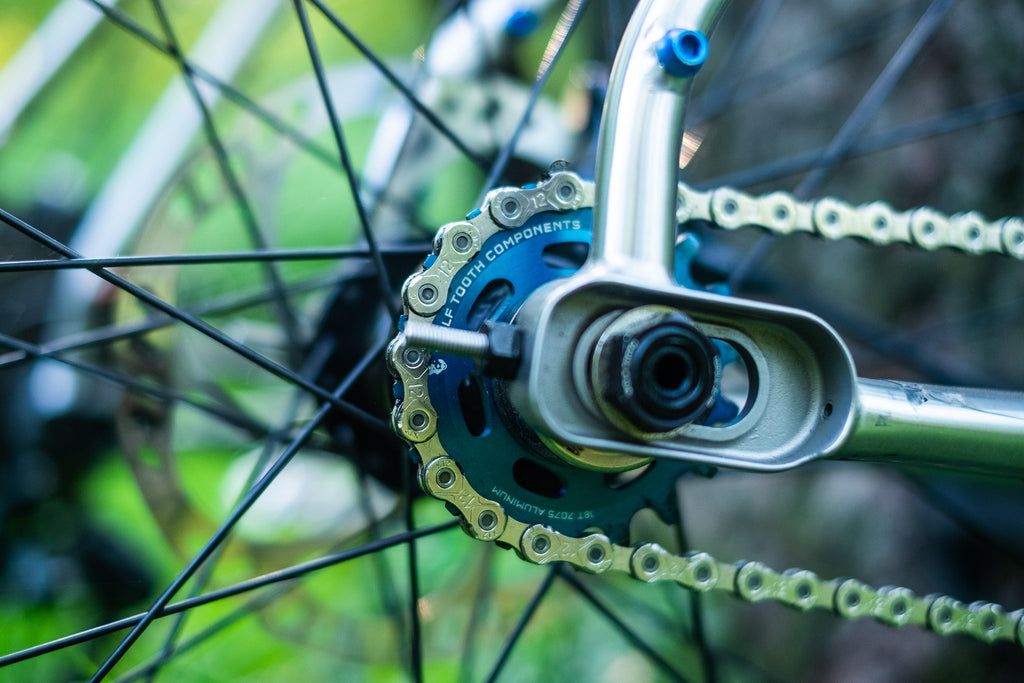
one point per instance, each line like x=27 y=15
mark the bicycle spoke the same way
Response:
x=979 y=322
x=240 y=588
x=567 y=575
x=206 y=571
x=854 y=326
x=275 y=123
x=520 y=626
x=958 y=515
x=854 y=126
x=696 y=603
x=415 y=624
x=173 y=649
x=875 y=336
x=225 y=529
x=481 y=600
x=401 y=191
x=854 y=37
x=614 y=24
x=895 y=136
x=872 y=101
x=382 y=573
x=218 y=258
x=122 y=20
x=258 y=359
x=170 y=644
x=283 y=308
x=728 y=77
x=236 y=419
x=168 y=655
x=563 y=30
x=114 y=332
x=383 y=280
x=411 y=97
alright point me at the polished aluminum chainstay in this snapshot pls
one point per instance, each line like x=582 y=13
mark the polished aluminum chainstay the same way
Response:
x=485 y=519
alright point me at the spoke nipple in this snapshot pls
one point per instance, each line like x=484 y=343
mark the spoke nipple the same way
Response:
x=682 y=52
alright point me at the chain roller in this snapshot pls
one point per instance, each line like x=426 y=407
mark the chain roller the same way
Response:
x=779 y=212
x=876 y=222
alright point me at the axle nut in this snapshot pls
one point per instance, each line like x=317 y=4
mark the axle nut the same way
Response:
x=653 y=372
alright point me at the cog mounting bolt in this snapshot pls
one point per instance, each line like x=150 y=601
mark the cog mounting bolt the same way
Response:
x=497 y=347
x=681 y=52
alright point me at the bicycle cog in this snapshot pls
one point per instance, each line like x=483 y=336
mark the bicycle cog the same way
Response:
x=502 y=259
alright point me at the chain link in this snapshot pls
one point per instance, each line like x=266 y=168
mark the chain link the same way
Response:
x=876 y=222
x=440 y=475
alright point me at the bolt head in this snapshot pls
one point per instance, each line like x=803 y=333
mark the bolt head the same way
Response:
x=682 y=52
x=504 y=350
x=522 y=23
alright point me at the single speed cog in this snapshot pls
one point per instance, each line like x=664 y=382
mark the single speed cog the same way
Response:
x=482 y=270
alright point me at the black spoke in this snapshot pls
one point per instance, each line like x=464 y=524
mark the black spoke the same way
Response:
x=728 y=77
x=853 y=37
x=851 y=131
x=383 y=281
x=872 y=101
x=738 y=81
x=170 y=645
x=481 y=601
x=563 y=30
x=218 y=258
x=206 y=571
x=856 y=327
x=410 y=96
x=247 y=502
x=939 y=124
x=384 y=578
x=258 y=359
x=415 y=624
x=959 y=514
x=229 y=591
x=275 y=123
x=124 y=380
x=108 y=334
x=569 y=576
x=696 y=603
x=285 y=314
x=122 y=20
x=520 y=627
x=982 y=321
x=177 y=649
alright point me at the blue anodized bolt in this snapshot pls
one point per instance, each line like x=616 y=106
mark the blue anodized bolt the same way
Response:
x=522 y=23
x=681 y=52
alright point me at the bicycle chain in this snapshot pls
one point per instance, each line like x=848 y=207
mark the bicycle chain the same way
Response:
x=877 y=222
x=414 y=418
